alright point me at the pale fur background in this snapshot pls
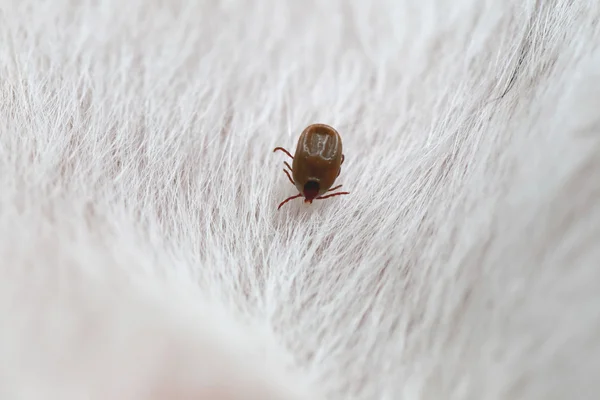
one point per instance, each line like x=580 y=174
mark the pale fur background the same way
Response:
x=142 y=254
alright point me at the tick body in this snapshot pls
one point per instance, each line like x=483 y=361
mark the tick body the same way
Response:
x=316 y=163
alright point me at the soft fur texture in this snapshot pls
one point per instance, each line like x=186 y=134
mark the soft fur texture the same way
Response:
x=142 y=253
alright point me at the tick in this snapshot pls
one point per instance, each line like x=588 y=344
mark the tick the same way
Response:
x=316 y=164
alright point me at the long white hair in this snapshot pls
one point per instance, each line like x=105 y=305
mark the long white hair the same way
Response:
x=142 y=255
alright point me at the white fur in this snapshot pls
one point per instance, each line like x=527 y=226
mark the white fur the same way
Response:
x=142 y=253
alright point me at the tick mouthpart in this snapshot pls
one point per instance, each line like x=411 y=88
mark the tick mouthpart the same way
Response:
x=311 y=190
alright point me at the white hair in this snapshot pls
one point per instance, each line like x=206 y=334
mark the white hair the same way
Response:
x=142 y=255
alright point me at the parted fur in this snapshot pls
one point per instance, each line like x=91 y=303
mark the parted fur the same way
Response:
x=142 y=255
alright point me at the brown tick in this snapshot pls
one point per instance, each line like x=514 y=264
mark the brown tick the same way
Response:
x=316 y=164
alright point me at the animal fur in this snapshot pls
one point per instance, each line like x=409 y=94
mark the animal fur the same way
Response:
x=142 y=254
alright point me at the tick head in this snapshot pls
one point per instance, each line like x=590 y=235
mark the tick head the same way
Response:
x=311 y=190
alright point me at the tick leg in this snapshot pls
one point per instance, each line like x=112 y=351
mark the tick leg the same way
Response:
x=288 y=175
x=331 y=195
x=284 y=150
x=335 y=188
x=288 y=199
x=288 y=165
